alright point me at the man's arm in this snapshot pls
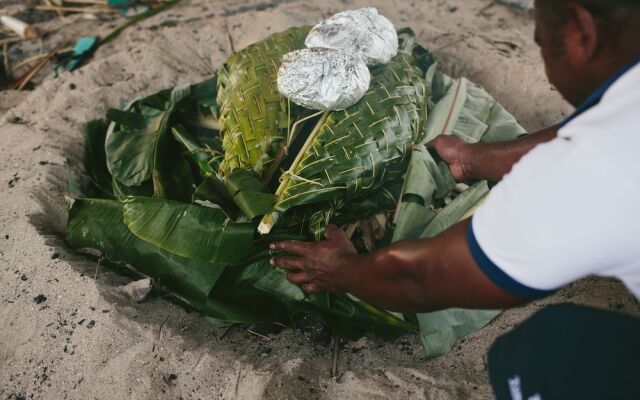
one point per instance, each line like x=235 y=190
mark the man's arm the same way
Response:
x=408 y=276
x=490 y=161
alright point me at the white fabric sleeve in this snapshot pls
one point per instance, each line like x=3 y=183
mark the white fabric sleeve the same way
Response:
x=559 y=215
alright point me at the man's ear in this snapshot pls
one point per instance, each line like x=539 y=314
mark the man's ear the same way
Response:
x=581 y=35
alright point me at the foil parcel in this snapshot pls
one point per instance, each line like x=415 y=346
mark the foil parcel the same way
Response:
x=363 y=31
x=332 y=73
x=323 y=79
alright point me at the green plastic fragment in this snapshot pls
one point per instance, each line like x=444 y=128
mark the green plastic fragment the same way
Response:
x=81 y=51
x=121 y=3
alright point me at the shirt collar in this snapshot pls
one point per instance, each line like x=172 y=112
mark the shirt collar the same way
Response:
x=597 y=95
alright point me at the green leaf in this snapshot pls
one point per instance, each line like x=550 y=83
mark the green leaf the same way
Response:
x=249 y=194
x=440 y=330
x=463 y=108
x=172 y=178
x=140 y=147
x=385 y=199
x=122 y=192
x=456 y=210
x=352 y=318
x=97 y=224
x=95 y=157
x=187 y=230
x=198 y=153
x=235 y=297
x=213 y=192
x=424 y=181
x=258 y=292
x=131 y=152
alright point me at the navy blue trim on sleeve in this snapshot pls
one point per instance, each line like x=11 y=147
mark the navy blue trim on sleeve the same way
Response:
x=498 y=276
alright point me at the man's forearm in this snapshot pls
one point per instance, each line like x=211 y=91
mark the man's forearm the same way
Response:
x=408 y=276
x=491 y=161
x=389 y=278
x=423 y=275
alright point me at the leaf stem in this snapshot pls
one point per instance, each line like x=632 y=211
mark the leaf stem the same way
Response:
x=291 y=135
x=269 y=220
x=307 y=144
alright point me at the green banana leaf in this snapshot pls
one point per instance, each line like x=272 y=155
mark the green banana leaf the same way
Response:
x=357 y=317
x=440 y=330
x=142 y=151
x=424 y=182
x=249 y=194
x=122 y=191
x=132 y=151
x=201 y=155
x=98 y=224
x=213 y=192
x=256 y=119
x=189 y=230
x=235 y=298
x=462 y=108
x=258 y=292
x=95 y=162
x=456 y=210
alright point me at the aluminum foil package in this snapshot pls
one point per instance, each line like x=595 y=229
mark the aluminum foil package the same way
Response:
x=323 y=79
x=363 y=31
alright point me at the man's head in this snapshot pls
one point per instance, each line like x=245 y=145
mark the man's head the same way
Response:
x=583 y=42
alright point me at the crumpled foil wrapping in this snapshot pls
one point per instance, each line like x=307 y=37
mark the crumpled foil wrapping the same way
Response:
x=323 y=79
x=362 y=31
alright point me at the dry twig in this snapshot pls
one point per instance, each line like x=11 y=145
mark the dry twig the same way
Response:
x=25 y=78
x=84 y=10
x=11 y=40
x=258 y=334
x=336 y=354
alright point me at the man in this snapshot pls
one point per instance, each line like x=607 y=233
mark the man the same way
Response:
x=565 y=209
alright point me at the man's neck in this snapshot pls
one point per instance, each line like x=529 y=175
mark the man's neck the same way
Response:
x=605 y=74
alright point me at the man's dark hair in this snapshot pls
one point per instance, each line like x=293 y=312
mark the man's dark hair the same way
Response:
x=614 y=16
x=606 y=10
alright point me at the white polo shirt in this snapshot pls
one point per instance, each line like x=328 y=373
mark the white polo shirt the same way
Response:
x=571 y=207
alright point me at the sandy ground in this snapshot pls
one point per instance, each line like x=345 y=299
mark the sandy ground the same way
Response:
x=88 y=340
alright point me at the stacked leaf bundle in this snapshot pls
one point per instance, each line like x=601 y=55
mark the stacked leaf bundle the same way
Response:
x=181 y=180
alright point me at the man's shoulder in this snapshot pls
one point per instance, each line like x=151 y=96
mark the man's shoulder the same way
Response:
x=615 y=113
x=610 y=128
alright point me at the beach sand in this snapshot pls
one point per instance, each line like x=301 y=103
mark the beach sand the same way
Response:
x=88 y=339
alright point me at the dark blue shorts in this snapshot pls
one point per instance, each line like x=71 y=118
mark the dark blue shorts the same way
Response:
x=568 y=352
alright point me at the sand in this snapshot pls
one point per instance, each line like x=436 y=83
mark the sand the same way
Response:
x=88 y=339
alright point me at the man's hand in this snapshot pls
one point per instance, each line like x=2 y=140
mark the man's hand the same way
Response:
x=408 y=276
x=453 y=151
x=490 y=161
x=316 y=267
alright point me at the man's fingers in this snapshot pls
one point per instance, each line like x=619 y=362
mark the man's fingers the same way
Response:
x=311 y=288
x=331 y=231
x=433 y=143
x=291 y=246
x=304 y=280
x=299 y=278
x=289 y=263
